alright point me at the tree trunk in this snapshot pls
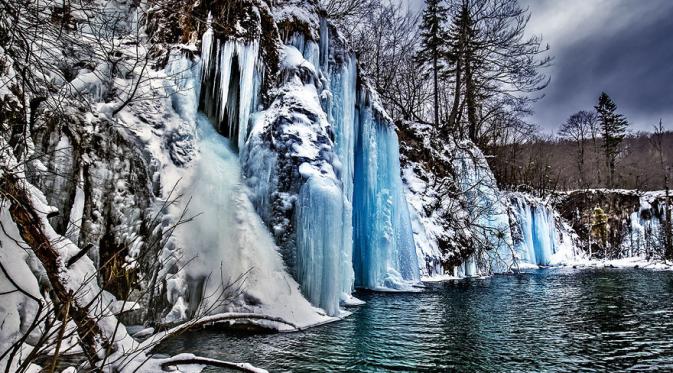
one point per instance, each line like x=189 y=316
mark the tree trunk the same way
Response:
x=471 y=102
x=436 y=88
x=456 y=97
x=31 y=229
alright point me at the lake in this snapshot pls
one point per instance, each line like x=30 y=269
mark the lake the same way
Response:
x=543 y=320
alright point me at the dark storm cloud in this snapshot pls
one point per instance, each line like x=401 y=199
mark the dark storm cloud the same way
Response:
x=622 y=47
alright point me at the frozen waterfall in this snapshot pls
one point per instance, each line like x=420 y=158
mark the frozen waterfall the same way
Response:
x=226 y=252
x=538 y=233
x=227 y=248
x=375 y=230
x=384 y=250
x=348 y=197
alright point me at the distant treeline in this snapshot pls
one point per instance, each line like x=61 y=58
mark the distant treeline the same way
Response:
x=643 y=161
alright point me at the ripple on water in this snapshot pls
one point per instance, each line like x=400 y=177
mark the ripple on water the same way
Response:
x=551 y=320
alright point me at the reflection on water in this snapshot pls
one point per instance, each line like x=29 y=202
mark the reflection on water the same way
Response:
x=547 y=320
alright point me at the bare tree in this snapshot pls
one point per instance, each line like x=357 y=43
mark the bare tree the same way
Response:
x=658 y=144
x=494 y=60
x=577 y=128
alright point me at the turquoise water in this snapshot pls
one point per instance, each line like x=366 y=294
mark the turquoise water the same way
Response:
x=546 y=320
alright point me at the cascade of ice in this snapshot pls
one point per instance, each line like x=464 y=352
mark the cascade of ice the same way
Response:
x=385 y=240
x=228 y=242
x=328 y=179
x=319 y=242
x=645 y=223
x=227 y=252
x=324 y=206
x=544 y=233
x=343 y=80
x=538 y=232
x=384 y=251
x=527 y=245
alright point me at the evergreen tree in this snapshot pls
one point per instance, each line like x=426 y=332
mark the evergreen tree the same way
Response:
x=461 y=37
x=494 y=64
x=433 y=51
x=613 y=127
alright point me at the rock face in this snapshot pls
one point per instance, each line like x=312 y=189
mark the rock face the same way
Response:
x=441 y=225
x=615 y=223
x=463 y=223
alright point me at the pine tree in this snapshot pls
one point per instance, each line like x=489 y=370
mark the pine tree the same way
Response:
x=613 y=127
x=461 y=37
x=494 y=64
x=433 y=49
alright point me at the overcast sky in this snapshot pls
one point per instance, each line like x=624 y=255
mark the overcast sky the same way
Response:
x=623 y=47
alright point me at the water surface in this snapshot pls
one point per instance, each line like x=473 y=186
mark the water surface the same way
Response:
x=546 y=320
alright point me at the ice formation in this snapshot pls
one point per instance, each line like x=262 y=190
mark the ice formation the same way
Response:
x=334 y=152
x=226 y=253
x=543 y=238
x=228 y=243
x=384 y=253
x=376 y=228
x=538 y=232
x=645 y=225
x=231 y=76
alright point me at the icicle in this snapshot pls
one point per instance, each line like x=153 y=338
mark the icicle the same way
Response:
x=207 y=49
x=538 y=231
x=324 y=44
x=470 y=266
x=226 y=54
x=247 y=59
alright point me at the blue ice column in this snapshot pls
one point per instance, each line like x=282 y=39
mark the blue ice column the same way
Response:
x=544 y=234
x=341 y=114
x=527 y=245
x=384 y=251
x=538 y=231
x=319 y=242
x=324 y=242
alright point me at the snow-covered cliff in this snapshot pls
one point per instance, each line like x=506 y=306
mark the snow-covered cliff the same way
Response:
x=464 y=225
x=616 y=224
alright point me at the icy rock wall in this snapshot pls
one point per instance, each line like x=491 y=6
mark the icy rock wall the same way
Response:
x=645 y=225
x=99 y=178
x=634 y=221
